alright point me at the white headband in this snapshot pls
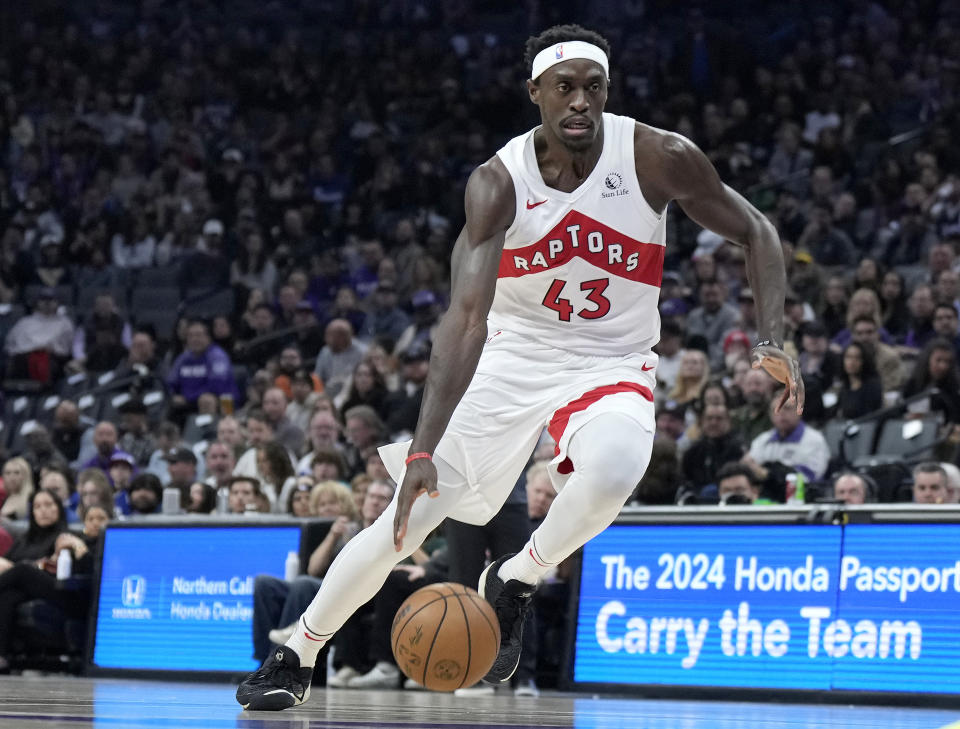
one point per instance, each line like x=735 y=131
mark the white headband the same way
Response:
x=566 y=51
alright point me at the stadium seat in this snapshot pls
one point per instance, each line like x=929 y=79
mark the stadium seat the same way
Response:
x=208 y=304
x=156 y=403
x=74 y=385
x=166 y=277
x=46 y=408
x=163 y=322
x=896 y=439
x=153 y=299
x=200 y=427
x=856 y=440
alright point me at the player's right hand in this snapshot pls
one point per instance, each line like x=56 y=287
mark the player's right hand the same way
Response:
x=420 y=477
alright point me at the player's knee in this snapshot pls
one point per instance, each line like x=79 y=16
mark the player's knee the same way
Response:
x=616 y=456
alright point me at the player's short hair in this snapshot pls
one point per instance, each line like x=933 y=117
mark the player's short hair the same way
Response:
x=562 y=34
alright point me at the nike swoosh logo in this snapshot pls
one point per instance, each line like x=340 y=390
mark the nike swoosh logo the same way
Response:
x=280 y=691
x=315 y=640
x=531 y=206
x=645 y=368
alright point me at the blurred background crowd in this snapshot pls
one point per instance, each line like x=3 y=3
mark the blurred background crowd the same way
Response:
x=225 y=232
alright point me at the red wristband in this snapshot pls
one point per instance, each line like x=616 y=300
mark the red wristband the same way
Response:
x=415 y=456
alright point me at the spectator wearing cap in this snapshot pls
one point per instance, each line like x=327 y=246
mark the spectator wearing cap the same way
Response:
x=284 y=432
x=403 y=405
x=146 y=492
x=39 y=344
x=203 y=367
x=712 y=319
x=339 y=356
x=669 y=350
x=136 y=439
x=122 y=469
x=182 y=467
x=736 y=347
x=308 y=337
x=386 y=318
x=206 y=267
x=426 y=317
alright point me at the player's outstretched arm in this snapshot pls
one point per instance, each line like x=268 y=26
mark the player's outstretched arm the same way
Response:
x=490 y=208
x=712 y=204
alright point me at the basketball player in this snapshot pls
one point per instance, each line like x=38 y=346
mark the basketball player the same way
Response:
x=553 y=316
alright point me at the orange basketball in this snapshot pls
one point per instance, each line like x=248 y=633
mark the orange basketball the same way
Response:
x=445 y=636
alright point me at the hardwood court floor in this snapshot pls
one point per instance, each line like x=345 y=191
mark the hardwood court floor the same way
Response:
x=55 y=702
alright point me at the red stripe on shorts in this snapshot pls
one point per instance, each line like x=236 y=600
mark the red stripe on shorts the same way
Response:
x=558 y=423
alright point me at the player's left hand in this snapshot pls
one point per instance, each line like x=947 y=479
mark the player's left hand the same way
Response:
x=782 y=368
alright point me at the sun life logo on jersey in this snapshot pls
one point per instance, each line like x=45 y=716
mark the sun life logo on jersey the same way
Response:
x=614 y=182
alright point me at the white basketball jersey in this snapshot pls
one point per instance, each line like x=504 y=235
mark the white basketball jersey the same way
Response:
x=581 y=270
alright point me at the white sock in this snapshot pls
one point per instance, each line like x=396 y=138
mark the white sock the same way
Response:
x=527 y=565
x=307 y=643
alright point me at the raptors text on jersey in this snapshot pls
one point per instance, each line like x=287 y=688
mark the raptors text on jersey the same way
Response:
x=581 y=271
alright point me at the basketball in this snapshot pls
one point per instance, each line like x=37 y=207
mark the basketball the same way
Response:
x=445 y=636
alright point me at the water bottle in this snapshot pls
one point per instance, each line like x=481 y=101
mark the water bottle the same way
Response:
x=223 y=500
x=291 y=568
x=64 y=564
x=171 y=501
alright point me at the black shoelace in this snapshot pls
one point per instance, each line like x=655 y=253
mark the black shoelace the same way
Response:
x=280 y=674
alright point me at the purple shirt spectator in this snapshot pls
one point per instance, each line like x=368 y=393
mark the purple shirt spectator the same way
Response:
x=203 y=367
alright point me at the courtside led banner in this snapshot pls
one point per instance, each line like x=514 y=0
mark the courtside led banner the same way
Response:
x=862 y=607
x=182 y=598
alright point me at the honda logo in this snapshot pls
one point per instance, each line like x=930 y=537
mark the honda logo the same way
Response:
x=133 y=592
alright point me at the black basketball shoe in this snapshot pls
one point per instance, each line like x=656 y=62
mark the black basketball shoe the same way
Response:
x=511 y=602
x=279 y=684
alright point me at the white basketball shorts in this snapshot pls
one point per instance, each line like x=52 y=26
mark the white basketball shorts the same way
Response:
x=520 y=387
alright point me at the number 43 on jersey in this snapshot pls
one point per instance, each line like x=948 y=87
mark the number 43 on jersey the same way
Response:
x=595 y=288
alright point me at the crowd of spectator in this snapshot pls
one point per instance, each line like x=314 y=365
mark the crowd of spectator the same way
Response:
x=316 y=178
